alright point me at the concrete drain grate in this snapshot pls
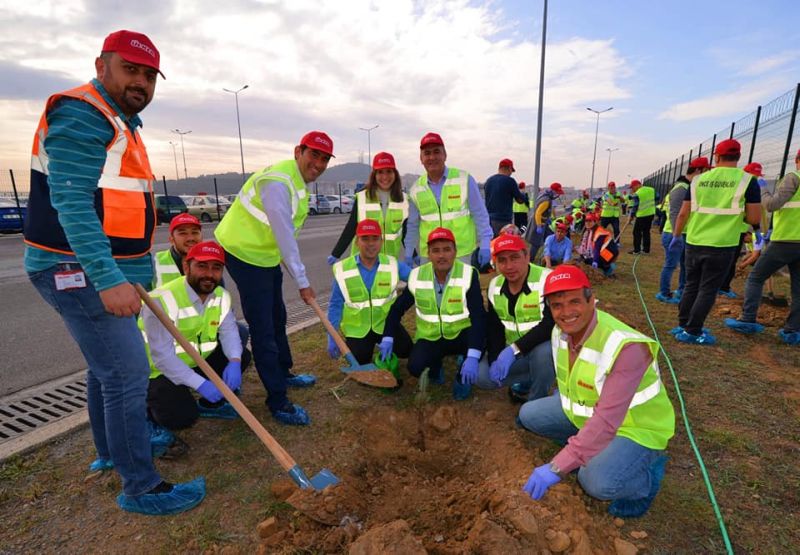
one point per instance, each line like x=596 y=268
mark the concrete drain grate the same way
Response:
x=36 y=407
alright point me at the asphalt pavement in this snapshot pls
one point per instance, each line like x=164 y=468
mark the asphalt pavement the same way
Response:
x=36 y=346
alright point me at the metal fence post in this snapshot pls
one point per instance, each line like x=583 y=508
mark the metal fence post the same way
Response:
x=16 y=195
x=216 y=196
x=755 y=134
x=166 y=198
x=791 y=131
x=733 y=126
x=713 y=146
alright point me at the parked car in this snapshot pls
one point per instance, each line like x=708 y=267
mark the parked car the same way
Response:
x=167 y=207
x=340 y=205
x=318 y=204
x=204 y=207
x=10 y=217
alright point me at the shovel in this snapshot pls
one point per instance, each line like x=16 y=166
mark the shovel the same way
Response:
x=319 y=482
x=368 y=374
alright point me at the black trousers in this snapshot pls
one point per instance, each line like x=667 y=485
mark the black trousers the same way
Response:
x=173 y=406
x=521 y=219
x=726 y=284
x=429 y=354
x=613 y=221
x=363 y=347
x=641 y=233
x=706 y=268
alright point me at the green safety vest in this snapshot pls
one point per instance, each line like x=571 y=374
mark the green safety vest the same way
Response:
x=165 y=269
x=559 y=220
x=520 y=207
x=666 y=203
x=786 y=220
x=449 y=319
x=453 y=213
x=717 y=207
x=529 y=307
x=199 y=330
x=647 y=201
x=650 y=420
x=576 y=204
x=366 y=310
x=245 y=231
x=611 y=206
x=391 y=222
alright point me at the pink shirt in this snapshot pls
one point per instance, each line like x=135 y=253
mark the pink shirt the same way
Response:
x=612 y=406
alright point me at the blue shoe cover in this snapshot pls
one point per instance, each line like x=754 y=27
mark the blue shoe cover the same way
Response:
x=703 y=339
x=436 y=376
x=292 y=415
x=182 y=498
x=461 y=391
x=101 y=465
x=729 y=294
x=160 y=439
x=678 y=293
x=790 y=337
x=632 y=508
x=743 y=327
x=222 y=412
x=676 y=330
x=521 y=389
x=300 y=380
x=664 y=299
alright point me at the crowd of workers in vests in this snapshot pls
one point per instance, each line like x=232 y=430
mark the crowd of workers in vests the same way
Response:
x=584 y=377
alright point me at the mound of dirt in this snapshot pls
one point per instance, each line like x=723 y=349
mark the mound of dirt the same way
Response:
x=443 y=481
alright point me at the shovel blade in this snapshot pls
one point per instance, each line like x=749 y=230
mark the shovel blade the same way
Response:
x=368 y=374
x=323 y=479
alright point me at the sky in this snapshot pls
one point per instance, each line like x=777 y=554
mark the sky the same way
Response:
x=674 y=72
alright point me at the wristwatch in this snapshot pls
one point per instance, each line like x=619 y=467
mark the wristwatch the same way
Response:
x=514 y=349
x=555 y=470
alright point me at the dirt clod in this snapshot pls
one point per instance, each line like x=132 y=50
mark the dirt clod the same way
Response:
x=442 y=419
x=638 y=534
x=395 y=538
x=559 y=542
x=623 y=547
x=267 y=527
x=282 y=489
x=488 y=537
x=619 y=523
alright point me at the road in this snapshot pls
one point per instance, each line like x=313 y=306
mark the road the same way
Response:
x=35 y=344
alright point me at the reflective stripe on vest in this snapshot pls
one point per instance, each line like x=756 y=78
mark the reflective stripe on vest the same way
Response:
x=199 y=330
x=391 y=222
x=245 y=230
x=528 y=308
x=786 y=220
x=124 y=196
x=451 y=212
x=449 y=319
x=600 y=231
x=165 y=269
x=647 y=201
x=717 y=207
x=366 y=310
x=650 y=419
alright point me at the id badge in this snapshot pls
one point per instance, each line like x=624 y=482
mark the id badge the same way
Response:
x=70 y=279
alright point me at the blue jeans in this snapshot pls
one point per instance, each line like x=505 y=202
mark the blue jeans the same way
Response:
x=261 y=294
x=116 y=381
x=536 y=367
x=671 y=260
x=774 y=256
x=620 y=471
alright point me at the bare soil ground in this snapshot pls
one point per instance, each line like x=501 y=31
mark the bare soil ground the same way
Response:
x=446 y=477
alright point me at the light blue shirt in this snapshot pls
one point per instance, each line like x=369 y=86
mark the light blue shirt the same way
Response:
x=558 y=250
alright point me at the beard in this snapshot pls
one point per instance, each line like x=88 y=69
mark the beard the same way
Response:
x=203 y=286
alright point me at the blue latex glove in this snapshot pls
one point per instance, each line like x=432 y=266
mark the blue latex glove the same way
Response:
x=385 y=347
x=768 y=235
x=540 y=481
x=209 y=392
x=595 y=264
x=759 y=239
x=332 y=260
x=539 y=229
x=484 y=256
x=499 y=368
x=409 y=260
x=232 y=375
x=762 y=182
x=333 y=349
x=469 y=370
x=676 y=243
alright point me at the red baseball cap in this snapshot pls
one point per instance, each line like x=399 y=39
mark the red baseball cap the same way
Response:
x=701 y=162
x=562 y=227
x=754 y=168
x=556 y=188
x=728 y=147
x=565 y=277
x=183 y=219
x=508 y=242
x=798 y=154
x=593 y=217
x=441 y=234
x=207 y=250
x=431 y=139
x=382 y=161
x=368 y=228
x=133 y=47
x=635 y=182
x=611 y=184
x=506 y=163
x=521 y=184
x=318 y=141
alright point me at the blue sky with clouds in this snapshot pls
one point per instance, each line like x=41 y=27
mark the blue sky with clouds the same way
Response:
x=674 y=71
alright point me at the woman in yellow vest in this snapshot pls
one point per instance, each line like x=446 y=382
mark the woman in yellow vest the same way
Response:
x=381 y=200
x=610 y=411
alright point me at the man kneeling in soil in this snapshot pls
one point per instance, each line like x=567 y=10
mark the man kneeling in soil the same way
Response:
x=201 y=310
x=611 y=410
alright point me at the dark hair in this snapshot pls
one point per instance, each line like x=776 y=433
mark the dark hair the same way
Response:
x=730 y=157
x=395 y=193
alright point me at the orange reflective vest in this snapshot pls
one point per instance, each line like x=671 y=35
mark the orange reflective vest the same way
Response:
x=598 y=232
x=124 y=195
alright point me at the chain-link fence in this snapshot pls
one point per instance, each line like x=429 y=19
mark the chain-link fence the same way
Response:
x=767 y=136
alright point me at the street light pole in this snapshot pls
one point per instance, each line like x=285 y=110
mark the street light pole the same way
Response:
x=183 y=152
x=369 y=140
x=538 y=156
x=608 y=170
x=175 y=158
x=238 y=124
x=594 y=156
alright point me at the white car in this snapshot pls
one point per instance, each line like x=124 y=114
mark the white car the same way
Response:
x=340 y=205
x=204 y=207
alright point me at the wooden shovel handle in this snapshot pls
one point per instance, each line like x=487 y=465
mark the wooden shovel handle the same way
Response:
x=328 y=326
x=280 y=454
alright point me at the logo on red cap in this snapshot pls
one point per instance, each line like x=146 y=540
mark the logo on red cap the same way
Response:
x=383 y=160
x=183 y=219
x=431 y=139
x=441 y=234
x=368 y=228
x=205 y=251
x=133 y=47
x=318 y=141
x=505 y=243
x=565 y=277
